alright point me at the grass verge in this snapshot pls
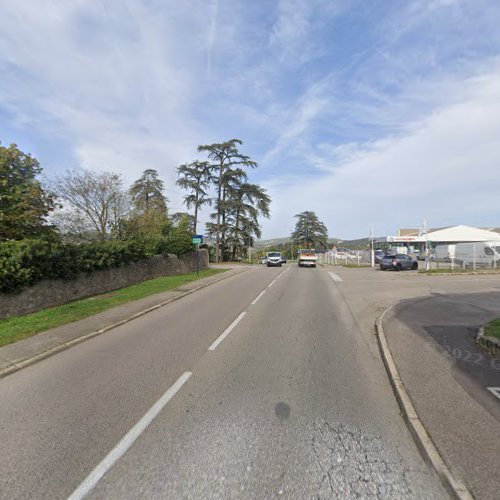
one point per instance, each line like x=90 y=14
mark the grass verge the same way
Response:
x=441 y=271
x=20 y=327
x=461 y=271
x=353 y=266
x=492 y=329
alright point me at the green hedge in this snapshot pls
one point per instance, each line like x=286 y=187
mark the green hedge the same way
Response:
x=25 y=262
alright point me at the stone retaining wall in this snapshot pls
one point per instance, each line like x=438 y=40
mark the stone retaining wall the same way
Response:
x=51 y=293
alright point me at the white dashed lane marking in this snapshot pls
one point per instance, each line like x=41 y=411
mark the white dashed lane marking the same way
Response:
x=495 y=391
x=128 y=440
x=335 y=277
x=227 y=331
x=258 y=297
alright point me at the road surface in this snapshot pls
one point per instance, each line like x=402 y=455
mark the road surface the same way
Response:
x=260 y=386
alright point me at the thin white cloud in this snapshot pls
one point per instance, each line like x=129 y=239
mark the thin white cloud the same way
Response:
x=296 y=122
x=108 y=77
x=212 y=31
x=445 y=168
x=293 y=33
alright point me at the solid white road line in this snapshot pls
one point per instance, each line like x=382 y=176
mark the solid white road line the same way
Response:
x=271 y=284
x=495 y=391
x=226 y=332
x=335 y=277
x=258 y=297
x=128 y=440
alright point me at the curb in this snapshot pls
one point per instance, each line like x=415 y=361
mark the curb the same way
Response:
x=491 y=344
x=66 y=345
x=422 y=439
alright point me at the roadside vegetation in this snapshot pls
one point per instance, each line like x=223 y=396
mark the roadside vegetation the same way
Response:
x=492 y=329
x=87 y=220
x=459 y=271
x=20 y=327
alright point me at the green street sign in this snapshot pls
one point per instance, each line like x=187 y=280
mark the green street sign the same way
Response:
x=197 y=240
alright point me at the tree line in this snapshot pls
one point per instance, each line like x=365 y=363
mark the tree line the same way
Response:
x=88 y=206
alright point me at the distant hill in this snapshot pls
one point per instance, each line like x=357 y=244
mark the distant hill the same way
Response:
x=359 y=243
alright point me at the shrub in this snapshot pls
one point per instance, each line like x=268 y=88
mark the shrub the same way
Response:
x=25 y=262
x=178 y=242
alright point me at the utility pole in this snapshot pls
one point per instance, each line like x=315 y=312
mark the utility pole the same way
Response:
x=372 y=249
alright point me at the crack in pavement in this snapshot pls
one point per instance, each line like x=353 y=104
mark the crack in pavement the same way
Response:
x=358 y=465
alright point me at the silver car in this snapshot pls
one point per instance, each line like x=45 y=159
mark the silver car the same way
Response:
x=398 y=262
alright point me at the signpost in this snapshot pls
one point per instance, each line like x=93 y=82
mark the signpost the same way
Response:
x=197 y=239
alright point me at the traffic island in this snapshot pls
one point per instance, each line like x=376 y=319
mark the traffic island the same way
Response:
x=488 y=337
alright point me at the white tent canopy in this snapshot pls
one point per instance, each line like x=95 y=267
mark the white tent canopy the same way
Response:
x=460 y=234
x=454 y=234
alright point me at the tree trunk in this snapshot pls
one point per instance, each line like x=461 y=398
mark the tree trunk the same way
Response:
x=217 y=233
x=195 y=223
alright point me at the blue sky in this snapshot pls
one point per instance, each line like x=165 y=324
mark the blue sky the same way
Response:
x=369 y=112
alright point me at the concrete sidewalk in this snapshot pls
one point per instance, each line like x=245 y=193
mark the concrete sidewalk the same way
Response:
x=25 y=352
x=452 y=406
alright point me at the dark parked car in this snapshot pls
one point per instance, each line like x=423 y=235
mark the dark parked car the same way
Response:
x=398 y=262
x=379 y=254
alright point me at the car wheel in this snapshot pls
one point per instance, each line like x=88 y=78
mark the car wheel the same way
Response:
x=415 y=266
x=398 y=267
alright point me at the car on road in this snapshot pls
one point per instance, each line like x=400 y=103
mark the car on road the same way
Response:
x=283 y=260
x=274 y=259
x=398 y=262
x=263 y=260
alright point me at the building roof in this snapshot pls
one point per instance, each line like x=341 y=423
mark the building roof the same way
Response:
x=461 y=233
x=452 y=234
x=417 y=232
x=408 y=232
x=494 y=229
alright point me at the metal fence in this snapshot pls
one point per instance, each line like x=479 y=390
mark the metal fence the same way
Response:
x=351 y=258
x=465 y=256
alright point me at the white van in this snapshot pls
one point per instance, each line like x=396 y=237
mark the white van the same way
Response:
x=274 y=259
x=483 y=253
x=445 y=252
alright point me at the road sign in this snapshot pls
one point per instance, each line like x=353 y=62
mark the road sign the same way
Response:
x=197 y=240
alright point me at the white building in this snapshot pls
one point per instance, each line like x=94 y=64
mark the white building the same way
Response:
x=414 y=239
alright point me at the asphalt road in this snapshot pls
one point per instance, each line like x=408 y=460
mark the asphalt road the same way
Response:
x=290 y=401
x=452 y=322
x=448 y=377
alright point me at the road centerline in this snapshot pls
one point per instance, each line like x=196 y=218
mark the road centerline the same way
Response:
x=335 y=277
x=226 y=332
x=258 y=297
x=271 y=284
x=128 y=440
